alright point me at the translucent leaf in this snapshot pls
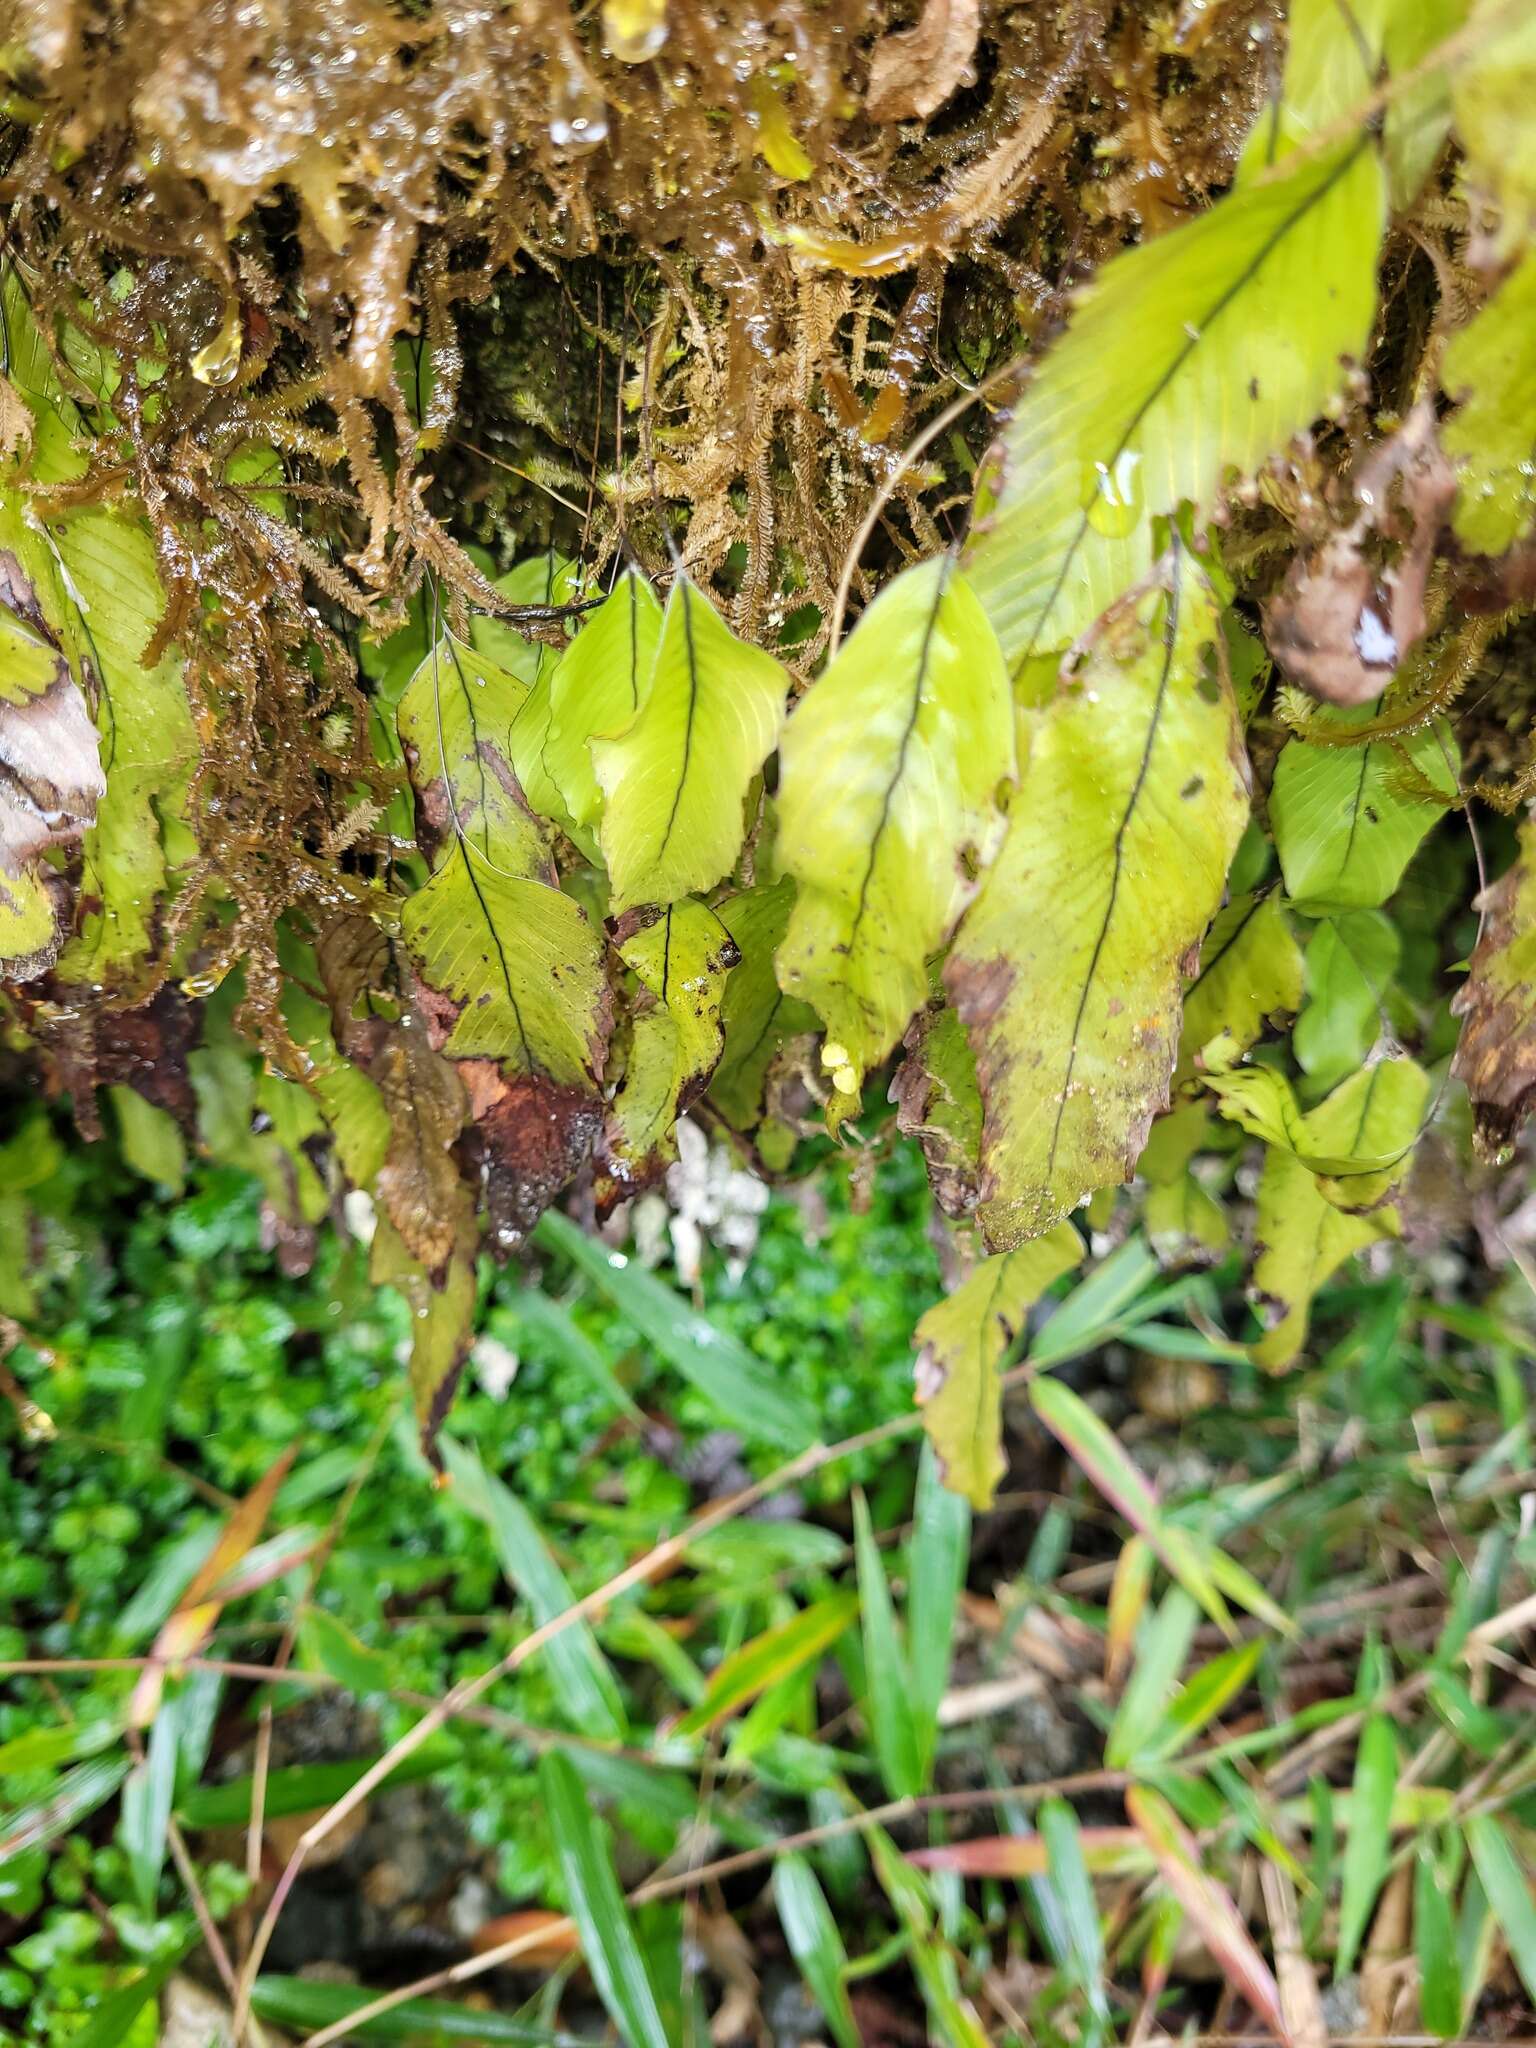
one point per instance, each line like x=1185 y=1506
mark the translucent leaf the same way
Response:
x=1066 y=969
x=1200 y=352
x=1304 y=1237
x=675 y=780
x=682 y=959
x=755 y=1014
x=1490 y=368
x=596 y=689
x=1348 y=819
x=453 y=718
x=962 y=1342
x=1496 y=1057
x=889 y=775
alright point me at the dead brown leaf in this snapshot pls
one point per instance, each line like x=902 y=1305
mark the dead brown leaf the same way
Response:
x=419 y=1186
x=913 y=71
x=1351 y=607
x=1496 y=1057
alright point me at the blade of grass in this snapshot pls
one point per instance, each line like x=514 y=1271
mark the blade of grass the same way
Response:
x=1214 y=1686
x=1434 y=1938
x=953 y=2017
x=550 y=1321
x=584 y=1681
x=62 y=1806
x=1092 y=1446
x=936 y=1561
x=298 y=2004
x=1096 y=1303
x=146 y=1811
x=608 y=1938
x=303 y=1788
x=888 y=1699
x=1210 y=1907
x=1162 y=1646
x=816 y=1945
x=768 y=1658
x=110 y=2024
x=742 y=1387
x=1068 y=1874
x=1508 y=1889
x=1369 y=1842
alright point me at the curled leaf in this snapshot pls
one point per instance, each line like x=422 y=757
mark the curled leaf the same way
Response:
x=1496 y=1056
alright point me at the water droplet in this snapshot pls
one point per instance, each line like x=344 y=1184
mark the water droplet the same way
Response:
x=1115 y=507
x=634 y=29
x=579 y=115
x=217 y=361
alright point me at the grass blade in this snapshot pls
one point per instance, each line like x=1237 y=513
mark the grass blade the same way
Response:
x=768 y=1658
x=816 y=1945
x=1111 y=1850
x=888 y=1701
x=146 y=1811
x=66 y=1803
x=1068 y=1873
x=1211 y=1908
x=1369 y=1842
x=305 y=1788
x=584 y=1681
x=551 y=1323
x=1434 y=1938
x=936 y=1561
x=1509 y=1893
x=302 y=2006
x=1092 y=1446
x=110 y=2024
x=1161 y=1649
x=741 y=1386
x=1214 y=1686
x=608 y=1939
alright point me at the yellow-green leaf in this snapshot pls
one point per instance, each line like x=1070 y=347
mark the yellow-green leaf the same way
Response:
x=1492 y=95
x=1199 y=353
x=521 y=961
x=1066 y=969
x=1303 y=1237
x=675 y=780
x=962 y=1343
x=889 y=776
x=453 y=718
x=1490 y=367
x=1250 y=971
x=595 y=690
x=442 y=1319
x=755 y=1014
x=682 y=959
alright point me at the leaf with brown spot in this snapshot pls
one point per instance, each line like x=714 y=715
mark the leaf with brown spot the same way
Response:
x=1066 y=969
x=1496 y=1057
x=682 y=958
x=938 y=1103
x=963 y=1340
x=418 y=1185
x=442 y=1319
x=913 y=71
x=527 y=1139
